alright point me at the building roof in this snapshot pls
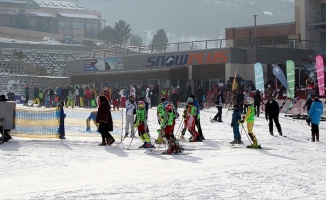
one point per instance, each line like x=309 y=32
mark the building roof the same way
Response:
x=41 y=14
x=59 y=4
x=85 y=16
x=13 y=1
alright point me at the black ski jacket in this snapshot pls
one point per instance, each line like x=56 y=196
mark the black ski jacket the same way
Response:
x=272 y=109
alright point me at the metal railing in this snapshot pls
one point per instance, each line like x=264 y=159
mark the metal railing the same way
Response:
x=249 y=42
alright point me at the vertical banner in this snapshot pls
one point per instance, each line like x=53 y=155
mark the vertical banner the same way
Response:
x=259 y=77
x=277 y=71
x=320 y=75
x=290 y=74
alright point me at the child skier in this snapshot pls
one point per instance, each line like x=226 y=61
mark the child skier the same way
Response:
x=191 y=114
x=250 y=118
x=167 y=128
x=236 y=116
x=160 y=118
x=185 y=121
x=141 y=123
x=70 y=101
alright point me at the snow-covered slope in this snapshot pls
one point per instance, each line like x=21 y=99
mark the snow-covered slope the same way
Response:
x=77 y=168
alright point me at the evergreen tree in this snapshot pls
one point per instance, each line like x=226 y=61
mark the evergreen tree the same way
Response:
x=120 y=34
x=159 y=40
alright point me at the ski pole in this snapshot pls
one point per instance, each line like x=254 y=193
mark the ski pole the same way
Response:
x=123 y=138
x=180 y=126
x=246 y=133
x=132 y=139
x=120 y=142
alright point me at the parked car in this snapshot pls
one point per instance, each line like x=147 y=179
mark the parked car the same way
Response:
x=88 y=43
x=69 y=40
x=50 y=40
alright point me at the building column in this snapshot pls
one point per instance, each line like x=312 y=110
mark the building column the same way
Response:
x=190 y=79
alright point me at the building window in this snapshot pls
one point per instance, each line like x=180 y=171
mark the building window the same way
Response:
x=78 y=25
x=63 y=24
x=91 y=26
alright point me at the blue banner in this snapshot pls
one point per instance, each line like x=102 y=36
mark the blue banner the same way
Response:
x=277 y=71
x=259 y=77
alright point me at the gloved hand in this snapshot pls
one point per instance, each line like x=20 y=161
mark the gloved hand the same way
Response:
x=266 y=118
x=308 y=120
x=241 y=121
x=198 y=117
x=231 y=124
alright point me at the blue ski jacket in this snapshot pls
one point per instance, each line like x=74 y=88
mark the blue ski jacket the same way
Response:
x=236 y=116
x=316 y=110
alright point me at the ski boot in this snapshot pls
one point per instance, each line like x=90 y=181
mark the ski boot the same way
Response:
x=280 y=133
x=272 y=134
x=235 y=142
x=88 y=129
x=254 y=145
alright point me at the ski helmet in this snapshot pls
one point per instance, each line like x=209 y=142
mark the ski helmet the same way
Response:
x=190 y=100
x=141 y=104
x=250 y=100
x=163 y=99
x=168 y=107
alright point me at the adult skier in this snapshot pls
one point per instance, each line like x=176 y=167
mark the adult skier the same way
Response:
x=272 y=111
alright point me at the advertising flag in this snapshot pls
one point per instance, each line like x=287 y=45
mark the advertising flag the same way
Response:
x=277 y=71
x=320 y=75
x=259 y=77
x=290 y=74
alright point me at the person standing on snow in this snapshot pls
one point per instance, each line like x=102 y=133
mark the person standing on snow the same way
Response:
x=272 y=111
x=141 y=124
x=257 y=102
x=191 y=120
x=250 y=118
x=315 y=113
x=197 y=119
x=61 y=118
x=308 y=104
x=131 y=109
x=167 y=128
x=219 y=105
x=104 y=118
x=236 y=117
x=160 y=118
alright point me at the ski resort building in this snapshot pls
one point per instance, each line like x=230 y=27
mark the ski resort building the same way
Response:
x=214 y=62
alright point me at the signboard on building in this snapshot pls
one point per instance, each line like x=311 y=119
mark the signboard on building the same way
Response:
x=103 y=64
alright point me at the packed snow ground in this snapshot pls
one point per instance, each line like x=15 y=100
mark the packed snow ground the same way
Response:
x=77 y=168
